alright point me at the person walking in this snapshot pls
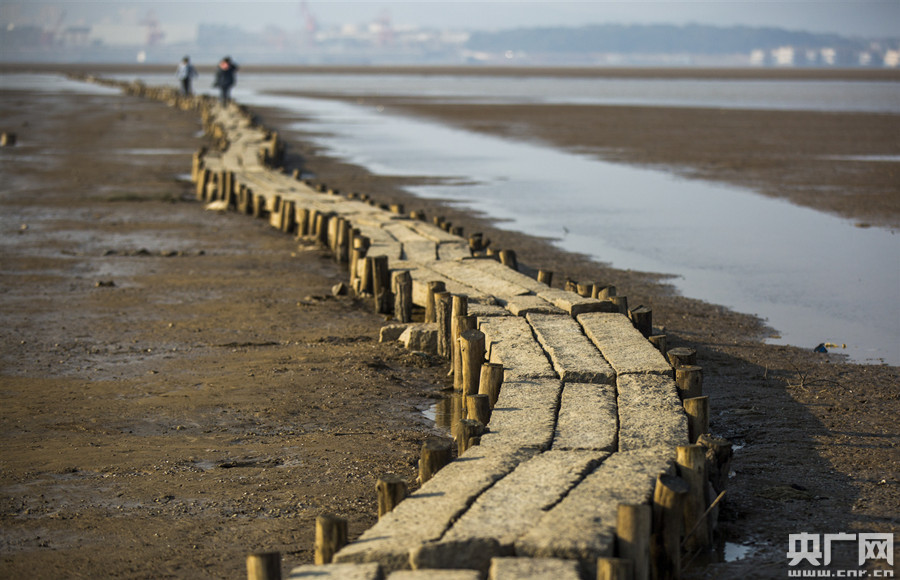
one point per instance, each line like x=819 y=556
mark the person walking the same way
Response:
x=225 y=79
x=185 y=74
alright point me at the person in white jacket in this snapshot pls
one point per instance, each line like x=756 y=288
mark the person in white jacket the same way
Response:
x=185 y=74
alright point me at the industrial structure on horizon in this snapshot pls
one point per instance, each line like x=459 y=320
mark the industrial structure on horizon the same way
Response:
x=145 y=39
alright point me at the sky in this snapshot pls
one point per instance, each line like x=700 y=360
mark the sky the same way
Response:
x=862 y=18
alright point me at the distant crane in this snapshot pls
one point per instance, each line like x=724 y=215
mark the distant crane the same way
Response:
x=385 y=30
x=154 y=32
x=309 y=21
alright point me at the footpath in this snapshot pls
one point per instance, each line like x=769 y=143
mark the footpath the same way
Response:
x=582 y=442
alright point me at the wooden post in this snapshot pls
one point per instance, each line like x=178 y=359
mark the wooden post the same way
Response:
x=689 y=380
x=691 y=464
x=479 y=408
x=508 y=258
x=603 y=292
x=403 y=296
x=472 y=355
x=434 y=286
x=202 y=184
x=697 y=410
x=259 y=206
x=459 y=311
x=633 y=537
x=342 y=245
x=475 y=242
x=321 y=231
x=718 y=460
x=381 y=284
x=659 y=341
x=357 y=260
x=331 y=536
x=614 y=569
x=391 y=490
x=490 y=380
x=468 y=433
x=621 y=302
x=289 y=217
x=545 y=277
x=442 y=305
x=436 y=454
x=584 y=289
x=642 y=319
x=668 y=526
x=264 y=566
x=302 y=222
x=682 y=356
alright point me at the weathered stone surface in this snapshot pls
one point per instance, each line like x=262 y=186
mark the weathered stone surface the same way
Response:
x=425 y=515
x=622 y=345
x=574 y=357
x=573 y=303
x=371 y=571
x=420 y=336
x=391 y=332
x=650 y=412
x=421 y=251
x=453 y=250
x=518 y=501
x=466 y=272
x=522 y=305
x=533 y=569
x=481 y=309
x=509 y=342
x=422 y=276
x=498 y=270
x=471 y=554
x=524 y=416
x=582 y=526
x=588 y=418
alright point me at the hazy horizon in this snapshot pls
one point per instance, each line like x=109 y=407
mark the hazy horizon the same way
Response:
x=853 y=18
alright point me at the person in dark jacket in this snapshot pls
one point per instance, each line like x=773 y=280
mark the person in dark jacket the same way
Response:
x=226 y=77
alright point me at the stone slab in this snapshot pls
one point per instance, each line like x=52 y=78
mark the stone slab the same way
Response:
x=650 y=412
x=453 y=250
x=588 y=418
x=622 y=345
x=370 y=571
x=421 y=251
x=574 y=357
x=582 y=526
x=466 y=272
x=434 y=233
x=518 y=501
x=498 y=270
x=573 y=303
x=421 y=336
x=522 y=305
x=391 y=332
x=425 y=515
x=533 y=569
x=524 y=416
x=510 y=342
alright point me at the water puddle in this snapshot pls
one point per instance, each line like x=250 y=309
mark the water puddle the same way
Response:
x=813 y=277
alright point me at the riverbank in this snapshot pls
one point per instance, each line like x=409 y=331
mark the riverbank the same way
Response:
x=817 y=438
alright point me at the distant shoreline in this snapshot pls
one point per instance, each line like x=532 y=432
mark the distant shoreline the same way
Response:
x=750 y=73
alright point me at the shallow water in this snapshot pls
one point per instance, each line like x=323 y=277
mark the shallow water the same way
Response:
x=815 y=278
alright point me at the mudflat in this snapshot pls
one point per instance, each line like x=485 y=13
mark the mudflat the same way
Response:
x=179 y=387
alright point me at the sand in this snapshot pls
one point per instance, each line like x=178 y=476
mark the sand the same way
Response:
x=213 y=399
